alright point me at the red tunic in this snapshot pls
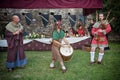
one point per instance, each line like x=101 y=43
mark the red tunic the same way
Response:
x=81 y=32
x=100 y=39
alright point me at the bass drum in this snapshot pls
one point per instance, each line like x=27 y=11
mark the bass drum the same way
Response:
x=66 y=52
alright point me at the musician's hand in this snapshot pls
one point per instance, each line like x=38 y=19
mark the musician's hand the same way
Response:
x=95 y=33
x=62 y=45
x=17 y=32
x=20 y=30
x=104 y=32
x=14 y=33
x=69 y=45
x=100 y=30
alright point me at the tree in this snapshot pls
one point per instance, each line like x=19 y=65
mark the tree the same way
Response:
x=113 y=6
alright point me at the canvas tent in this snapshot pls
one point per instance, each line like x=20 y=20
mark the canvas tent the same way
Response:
x=87 y=5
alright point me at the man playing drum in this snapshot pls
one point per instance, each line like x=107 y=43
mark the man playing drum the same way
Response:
x=57 y=36
x=99 y=31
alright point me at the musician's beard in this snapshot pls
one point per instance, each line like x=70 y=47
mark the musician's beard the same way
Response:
x=101 y=19
x=15 y=23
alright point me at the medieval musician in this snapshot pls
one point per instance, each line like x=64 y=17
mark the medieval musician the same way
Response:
x=57 y=37
x=99 y=31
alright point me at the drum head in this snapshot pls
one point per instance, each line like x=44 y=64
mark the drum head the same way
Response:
x=66 y=50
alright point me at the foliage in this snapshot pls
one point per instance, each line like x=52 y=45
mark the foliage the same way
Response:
x=113 y=6
x=34 y=36
x=2 y=30
x=78 y=68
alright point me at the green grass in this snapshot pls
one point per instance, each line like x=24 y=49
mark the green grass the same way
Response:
x=78 y=68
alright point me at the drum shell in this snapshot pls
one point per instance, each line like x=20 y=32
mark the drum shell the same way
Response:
x=66 y=58
x=68 y=50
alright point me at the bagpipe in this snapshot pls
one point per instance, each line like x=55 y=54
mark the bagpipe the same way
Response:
x=103 y=23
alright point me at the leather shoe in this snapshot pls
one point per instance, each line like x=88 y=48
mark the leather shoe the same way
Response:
x=99 y=62
x=92 y=62
x=64 y=70
x=52 y=67
x=10 y=69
